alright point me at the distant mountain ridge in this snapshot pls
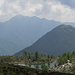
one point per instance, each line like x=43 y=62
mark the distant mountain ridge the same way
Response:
x=22 y=31
x=56 y=42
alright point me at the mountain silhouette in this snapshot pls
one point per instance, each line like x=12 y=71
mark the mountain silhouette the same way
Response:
x=22 y=31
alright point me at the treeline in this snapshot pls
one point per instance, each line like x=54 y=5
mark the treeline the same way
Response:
x=65 y=57
x=37 y=56
x=27 y=58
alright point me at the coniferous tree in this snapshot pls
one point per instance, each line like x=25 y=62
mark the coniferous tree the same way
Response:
x=37 y=55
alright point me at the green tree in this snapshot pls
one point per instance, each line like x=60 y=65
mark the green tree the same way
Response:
x=37 y=55
x=29 y=56
x=26 y=53
x=44 y=67
x=64 y=58
x=48 y=64
x=48 y=57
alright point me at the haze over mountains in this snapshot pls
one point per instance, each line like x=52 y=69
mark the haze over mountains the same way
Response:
x=22 y=31
x=56 y=42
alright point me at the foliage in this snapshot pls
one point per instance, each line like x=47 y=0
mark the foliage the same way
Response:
x=37 y=55
x=28 y=58
x=65 y=57
x=44 y=67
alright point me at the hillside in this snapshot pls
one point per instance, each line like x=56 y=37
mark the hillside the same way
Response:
x=56 y=42
x=10 y=69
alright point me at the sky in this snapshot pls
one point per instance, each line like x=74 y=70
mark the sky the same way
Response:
x=58 y=10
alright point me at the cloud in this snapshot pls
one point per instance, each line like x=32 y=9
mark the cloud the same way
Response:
x=59 y=10
x=70 y=3
x=54 y=10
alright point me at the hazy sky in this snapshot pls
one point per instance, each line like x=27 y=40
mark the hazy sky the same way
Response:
x=59 y=10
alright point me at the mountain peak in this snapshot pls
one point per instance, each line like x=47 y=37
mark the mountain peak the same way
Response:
x=21 y=17
x=56 y=42
x=64 y=28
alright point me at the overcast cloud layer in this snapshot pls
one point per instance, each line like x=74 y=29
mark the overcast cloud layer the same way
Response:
x=59 y=10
